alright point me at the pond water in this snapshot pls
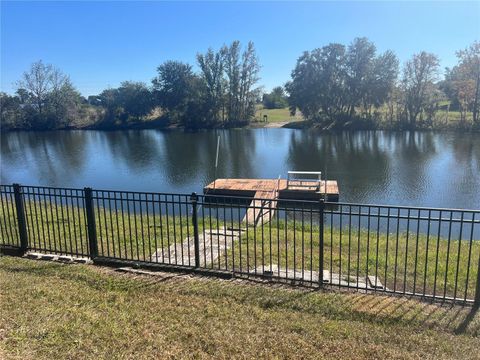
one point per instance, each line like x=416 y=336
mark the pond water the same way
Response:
x=416 y=168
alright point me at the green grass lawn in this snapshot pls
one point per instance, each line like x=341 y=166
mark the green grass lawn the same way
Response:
x=51 y=310
x=276 y=115
x=403 y=263
x=441 y=120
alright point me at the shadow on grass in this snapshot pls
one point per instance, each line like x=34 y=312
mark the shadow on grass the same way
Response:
x=461 y=329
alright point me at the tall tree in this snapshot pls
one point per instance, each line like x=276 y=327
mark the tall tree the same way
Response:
x=369 y=78
x=382 y=80
x=248 y=78
x=241 y=76
x=419 y=75
x=318 y=83
x=232 y=70
x=10 y=111
x=212 y=66
x=49 y=96
x=38 y=83
x=465 y=80
x=360 y=59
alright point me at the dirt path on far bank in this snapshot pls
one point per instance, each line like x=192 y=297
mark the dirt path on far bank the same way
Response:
x=277 y=124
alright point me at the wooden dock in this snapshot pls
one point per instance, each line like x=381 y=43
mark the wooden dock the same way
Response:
x=267 y=192
x=327 y=189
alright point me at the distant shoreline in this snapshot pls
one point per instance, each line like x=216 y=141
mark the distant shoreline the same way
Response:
x=294 y=125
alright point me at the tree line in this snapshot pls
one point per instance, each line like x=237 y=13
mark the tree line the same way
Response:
x=352 y=86
x=222 y=93
x=334 y=87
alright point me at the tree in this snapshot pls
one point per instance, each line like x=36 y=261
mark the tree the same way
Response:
x=173 y=87
x=360 y=63
x=318 y=83
x=10 y=111
x=276 y=99
x=419 y=75
x=248 y=78
x=48 y=97
x=135 y=98
x=109 y=100
x=381 y=80
x=330 y=84
x=241 y=76
x=38 y=83
x=63 y=101
x=369 y=78
x=212 y=66
x=462 y=82
x=131 y=99
x=232 y=70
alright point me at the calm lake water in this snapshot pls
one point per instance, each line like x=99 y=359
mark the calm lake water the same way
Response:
x=420 y=168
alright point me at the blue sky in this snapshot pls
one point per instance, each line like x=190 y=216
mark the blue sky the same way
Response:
x=100 y=44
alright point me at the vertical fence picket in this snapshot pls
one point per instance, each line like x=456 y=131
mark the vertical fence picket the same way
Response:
x=21 y=219
x=321 y=221
x=477 y=290
x=196 y=244
x=91 y=228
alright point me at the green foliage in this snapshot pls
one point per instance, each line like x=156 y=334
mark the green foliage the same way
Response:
x=418 y=84
x=212 y=66
x=276 y=99
x=130 y=100
x=334 y=87
x=241 y=75
x=45 y=99
x=11 y=114
x=330 y=83
x=172 y=86
x=222 y=91
x=462 y=82
x=317 y=84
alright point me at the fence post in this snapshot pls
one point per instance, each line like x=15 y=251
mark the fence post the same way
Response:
x=21 y=220
x=194 y=200
x=477 y=290
x=92 y=230
x=321 y=244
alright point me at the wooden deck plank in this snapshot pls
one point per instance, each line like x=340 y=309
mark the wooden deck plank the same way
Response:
x=261 y=208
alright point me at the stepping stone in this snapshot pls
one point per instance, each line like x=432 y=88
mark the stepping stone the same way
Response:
x=375 y=282
x=212 y=245
x=65 y=258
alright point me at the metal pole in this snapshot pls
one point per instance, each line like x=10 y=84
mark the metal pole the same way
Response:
x=325 y=181
x=92 y=230
x=196 y=243
x=22 y=223
x=321 y=242
x=216 y=162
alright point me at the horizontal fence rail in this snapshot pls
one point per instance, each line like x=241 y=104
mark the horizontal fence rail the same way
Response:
x=427 y=252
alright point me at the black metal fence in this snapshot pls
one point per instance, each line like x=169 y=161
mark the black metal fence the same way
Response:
x=427 y=252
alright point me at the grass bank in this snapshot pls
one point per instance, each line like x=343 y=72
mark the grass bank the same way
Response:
x=381 y=120
x=51 y=310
